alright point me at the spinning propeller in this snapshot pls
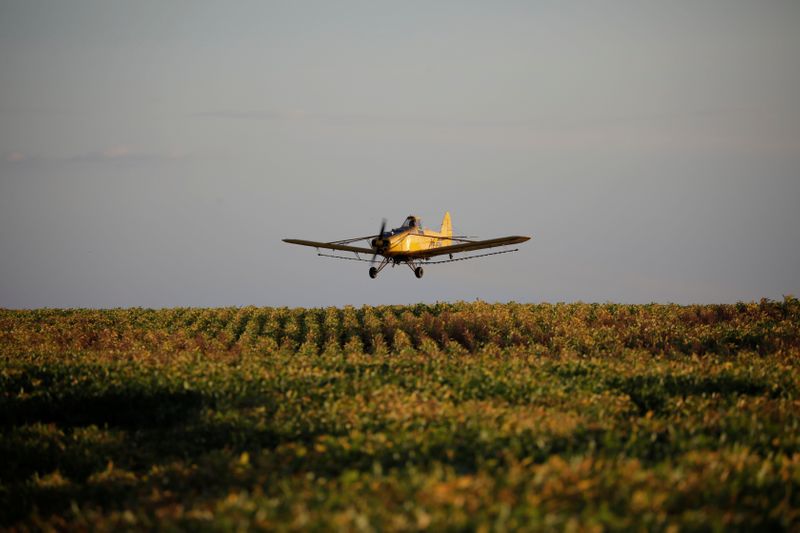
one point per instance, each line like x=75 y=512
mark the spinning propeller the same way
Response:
x=378 y=243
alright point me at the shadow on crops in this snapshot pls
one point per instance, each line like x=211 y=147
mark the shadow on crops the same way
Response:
x=126 y=408
x=652 y=392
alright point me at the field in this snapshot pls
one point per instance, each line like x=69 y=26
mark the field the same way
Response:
x=446 y=416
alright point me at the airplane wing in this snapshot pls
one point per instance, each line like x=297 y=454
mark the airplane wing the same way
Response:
x=468 y=246
x=331 y=246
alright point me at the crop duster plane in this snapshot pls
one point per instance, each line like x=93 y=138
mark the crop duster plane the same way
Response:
x=411 y=244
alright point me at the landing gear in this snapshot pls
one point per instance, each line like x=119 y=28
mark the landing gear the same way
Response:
x=373 y=272
x=417 y=270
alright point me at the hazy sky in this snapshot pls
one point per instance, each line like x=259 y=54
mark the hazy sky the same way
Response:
x=154 y=153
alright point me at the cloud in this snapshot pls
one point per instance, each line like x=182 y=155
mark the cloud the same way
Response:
x=302 y=115
x=256 y=114
x=129 y=153
x=117 y=153
x=723 y=129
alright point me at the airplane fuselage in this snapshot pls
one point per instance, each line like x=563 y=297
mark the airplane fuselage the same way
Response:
x=411 y=237
x=412 y=240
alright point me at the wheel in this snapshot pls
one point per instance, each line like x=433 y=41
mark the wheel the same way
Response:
x=418 y=272
x=373 y=272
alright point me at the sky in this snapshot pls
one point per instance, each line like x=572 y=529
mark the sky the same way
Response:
x=155 y=153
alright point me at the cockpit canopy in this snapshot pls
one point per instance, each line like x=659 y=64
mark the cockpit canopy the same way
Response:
x=412 y=222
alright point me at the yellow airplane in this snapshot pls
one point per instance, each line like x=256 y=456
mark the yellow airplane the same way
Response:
x=411 y=244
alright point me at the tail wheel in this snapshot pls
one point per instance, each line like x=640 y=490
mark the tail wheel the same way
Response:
x=418 y=272
x=373 y=272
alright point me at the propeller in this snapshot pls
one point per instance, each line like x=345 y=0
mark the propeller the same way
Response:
x=378 y=242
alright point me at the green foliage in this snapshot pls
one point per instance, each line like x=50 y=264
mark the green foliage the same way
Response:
x=446 y=416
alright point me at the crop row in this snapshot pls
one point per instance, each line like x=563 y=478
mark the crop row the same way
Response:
x=584 y=329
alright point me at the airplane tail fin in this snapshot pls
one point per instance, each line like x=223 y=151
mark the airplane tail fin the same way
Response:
x=447 y=228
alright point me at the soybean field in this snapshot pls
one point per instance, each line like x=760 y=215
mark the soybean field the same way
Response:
x=449 y=416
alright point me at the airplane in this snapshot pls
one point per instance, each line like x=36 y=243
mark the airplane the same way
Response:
x=411 y=244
